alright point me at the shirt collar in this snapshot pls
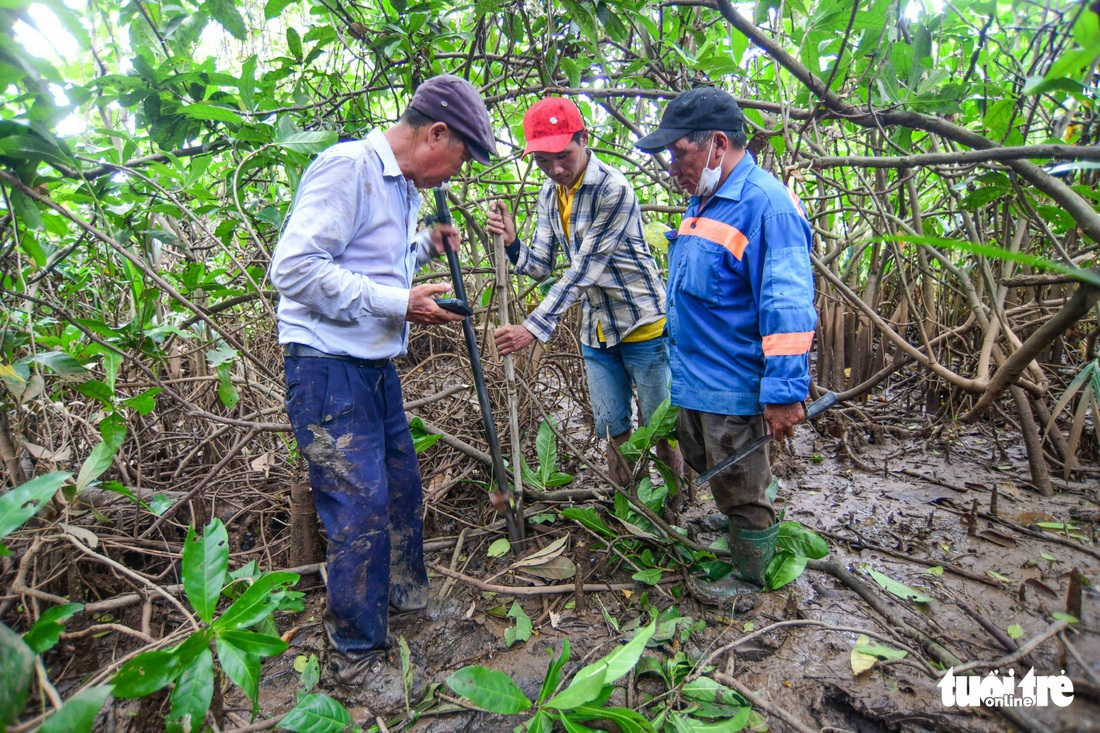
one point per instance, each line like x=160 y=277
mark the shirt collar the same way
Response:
x=735 y=182
x=381 y=145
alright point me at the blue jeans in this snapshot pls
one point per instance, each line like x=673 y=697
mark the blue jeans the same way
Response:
x=613 y=370
x=349 y=420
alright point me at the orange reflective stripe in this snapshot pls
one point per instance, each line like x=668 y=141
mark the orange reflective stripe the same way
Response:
x=796 y=201
x=715 y=231
x=788 y=344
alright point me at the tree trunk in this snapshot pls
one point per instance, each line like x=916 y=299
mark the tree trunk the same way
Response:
x=305 y=531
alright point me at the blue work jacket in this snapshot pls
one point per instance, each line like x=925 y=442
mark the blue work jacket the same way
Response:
x=741 y=314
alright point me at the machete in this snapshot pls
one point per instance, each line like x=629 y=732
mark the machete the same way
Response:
x=819 y=406
x=503 y=500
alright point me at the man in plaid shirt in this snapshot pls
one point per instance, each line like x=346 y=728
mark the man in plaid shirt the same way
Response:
x=588 y=211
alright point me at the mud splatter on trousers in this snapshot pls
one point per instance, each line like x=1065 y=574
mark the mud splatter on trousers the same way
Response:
x=349 y=421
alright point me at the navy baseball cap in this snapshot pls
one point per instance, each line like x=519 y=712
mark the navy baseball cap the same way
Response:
x=705 y=108
x=453 y=100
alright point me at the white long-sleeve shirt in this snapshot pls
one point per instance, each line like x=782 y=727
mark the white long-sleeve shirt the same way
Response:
x=345 y=262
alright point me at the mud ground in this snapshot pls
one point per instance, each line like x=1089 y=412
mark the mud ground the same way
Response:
x=1011 y=572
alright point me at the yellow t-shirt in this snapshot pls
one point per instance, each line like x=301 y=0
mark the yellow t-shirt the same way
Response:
x=565 y=207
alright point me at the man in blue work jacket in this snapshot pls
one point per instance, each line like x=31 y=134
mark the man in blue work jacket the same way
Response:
x=741 y=317
x=344 y=268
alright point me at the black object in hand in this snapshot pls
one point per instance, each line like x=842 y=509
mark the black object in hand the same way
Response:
x=454 y=305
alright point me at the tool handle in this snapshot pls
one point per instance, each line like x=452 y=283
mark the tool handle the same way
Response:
x=820 y=405
x=443 y=216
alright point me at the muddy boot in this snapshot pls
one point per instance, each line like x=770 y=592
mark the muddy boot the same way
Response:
x=716 y=522
x=751 y=551
x=374 y=679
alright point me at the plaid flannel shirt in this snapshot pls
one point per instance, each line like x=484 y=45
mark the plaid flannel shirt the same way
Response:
x=610 y=266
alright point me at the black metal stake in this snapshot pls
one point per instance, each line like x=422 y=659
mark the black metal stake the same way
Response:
x=500 y=474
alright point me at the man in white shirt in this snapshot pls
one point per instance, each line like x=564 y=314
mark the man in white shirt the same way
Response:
x=344 y=268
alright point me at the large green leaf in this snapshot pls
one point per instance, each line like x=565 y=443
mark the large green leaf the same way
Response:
x=250 y=642
x=98 y=461
x=25 y=500
x=553 y=672
x=192 y=695
x=211 y=112
x=78 y=713
x=226 y=13
x=16 y=669
x=47 y=629
x=892 y=586
x=589 y=681
x=317 y=713
x=802 y=541
x=489 y=689
x=627 y=720
x=256 y=603
x=241 y=667
x=546 y=445
x=152 y=671
x=205 y=562
x=307 y=142
x=784 y=568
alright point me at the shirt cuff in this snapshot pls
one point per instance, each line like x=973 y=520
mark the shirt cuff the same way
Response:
x=512 y=250
x=540 y=328
x=388 y=301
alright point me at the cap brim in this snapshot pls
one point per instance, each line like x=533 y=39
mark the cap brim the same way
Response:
x=660 y=139
x=549 y=144
x=478 y=153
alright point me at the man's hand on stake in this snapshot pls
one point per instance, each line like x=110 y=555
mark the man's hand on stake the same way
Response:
x=499 y=221
x=423 y=308
x=445 y=233
x=781 y=419
x=510 y=339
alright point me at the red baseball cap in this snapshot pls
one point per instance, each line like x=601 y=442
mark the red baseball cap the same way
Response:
x=550 y=124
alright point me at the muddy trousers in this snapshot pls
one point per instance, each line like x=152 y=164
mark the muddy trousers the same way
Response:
x=349 y=420
x=739 y=491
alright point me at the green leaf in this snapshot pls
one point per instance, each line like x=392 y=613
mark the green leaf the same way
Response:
x=522 y=630
x=802 y=541
x=113 y=430
x=144 y=402
x=705 y=689
x=895 y=588
x=227 y=393
x=241 y=667
x=553 y=672
x=273 y=9
x=489 y=689
x=145 y=674
x=546 y=445
x=500 y=547
x=211 y=112
x=47 y=629
x=589 y=518
x=317 y=713
x=589 y=681
x=256 y=603
x=422 y=439
x=649 y=576
x=1068 y=618
x=246 y=84
x=97 y=390
x=685 y=724
x=60 y=362
x=78 y=713
x=784 y=568
x=16 y=670
x=205 y=562
x=934 y=570
x=98 y=461
x=25 y=500
x=307 y=143
x=880 y=652
x=294 y=43
x=250 y=642
x=1015 y=631
x=226 y=13
x=627 y=720
x=192 y=695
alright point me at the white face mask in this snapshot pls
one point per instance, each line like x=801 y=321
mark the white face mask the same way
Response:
x=709 y=177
